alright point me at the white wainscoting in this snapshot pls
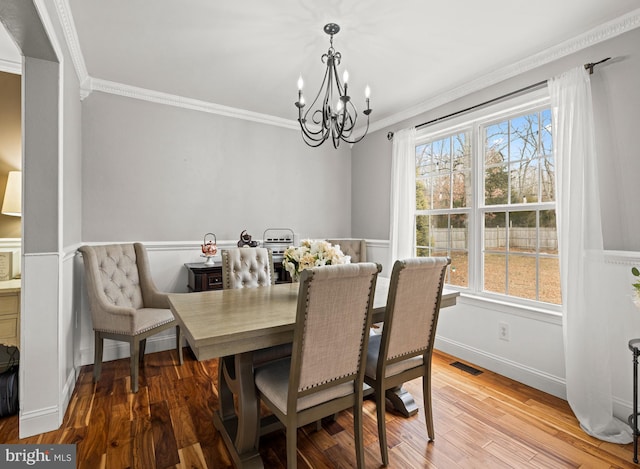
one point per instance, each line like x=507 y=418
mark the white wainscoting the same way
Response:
x=469 y=331
x=40 y=409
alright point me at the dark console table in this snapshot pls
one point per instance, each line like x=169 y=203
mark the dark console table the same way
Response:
x=209 y=277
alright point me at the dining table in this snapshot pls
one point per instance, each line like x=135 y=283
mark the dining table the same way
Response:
x=230 y=325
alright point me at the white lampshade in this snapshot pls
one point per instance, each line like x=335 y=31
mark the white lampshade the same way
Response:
x=12 y=203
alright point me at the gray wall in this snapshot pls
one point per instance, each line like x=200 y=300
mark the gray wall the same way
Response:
x=616 y=95
x=153 y=172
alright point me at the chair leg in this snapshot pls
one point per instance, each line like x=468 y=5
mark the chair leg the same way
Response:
x=292 y=446
x=357 y=432
x=143 y=346
x=135 y=346
x=428 y=410
x=179 y=344
x=382 y=430
x=97 y=360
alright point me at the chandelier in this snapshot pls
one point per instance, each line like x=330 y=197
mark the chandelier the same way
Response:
x=331 y=113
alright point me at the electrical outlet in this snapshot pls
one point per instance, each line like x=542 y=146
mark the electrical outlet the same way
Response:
x=503 y=331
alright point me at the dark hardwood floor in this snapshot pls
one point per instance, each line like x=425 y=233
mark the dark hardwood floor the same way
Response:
x=483 y=421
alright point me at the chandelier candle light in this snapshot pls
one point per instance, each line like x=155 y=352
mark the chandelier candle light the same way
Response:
x=331 y=113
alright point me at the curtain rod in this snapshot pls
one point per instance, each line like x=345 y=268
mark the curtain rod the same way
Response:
x=588 y=66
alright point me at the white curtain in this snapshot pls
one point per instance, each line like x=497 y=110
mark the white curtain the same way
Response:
x=403 y=195
x=586 y=337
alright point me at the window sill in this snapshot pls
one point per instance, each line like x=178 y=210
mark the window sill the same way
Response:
x=552 y=316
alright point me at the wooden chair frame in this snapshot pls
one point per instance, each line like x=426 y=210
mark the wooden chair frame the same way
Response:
x=381 y=383
x=293 y=418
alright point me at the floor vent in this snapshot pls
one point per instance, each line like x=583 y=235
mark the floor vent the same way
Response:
x=469 y=369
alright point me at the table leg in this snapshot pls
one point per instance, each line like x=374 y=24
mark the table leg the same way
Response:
x=634 y=416
x=402 y=401
x=239 y=431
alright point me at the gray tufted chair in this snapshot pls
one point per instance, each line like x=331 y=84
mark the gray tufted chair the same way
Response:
x=125 y=303
x=247 y=268
x=356 y=248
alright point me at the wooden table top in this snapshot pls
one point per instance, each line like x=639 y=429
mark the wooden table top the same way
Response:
x=226 y=322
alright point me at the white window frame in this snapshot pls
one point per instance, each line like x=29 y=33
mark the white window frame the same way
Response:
x=527 y=102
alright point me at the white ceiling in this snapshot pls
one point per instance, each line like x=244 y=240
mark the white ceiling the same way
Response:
x=248 y=55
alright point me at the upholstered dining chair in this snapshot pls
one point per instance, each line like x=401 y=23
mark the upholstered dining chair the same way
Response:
x=325 y=372
x=403 y=351
x=251 y=268
x=247 y=267
x=355 y=248
x=124 y=301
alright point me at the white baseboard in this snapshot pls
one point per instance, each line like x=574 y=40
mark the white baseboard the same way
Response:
x=537 y=379
x=39 y=421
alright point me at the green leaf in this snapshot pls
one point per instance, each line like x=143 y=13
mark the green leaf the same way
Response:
x=635 y=271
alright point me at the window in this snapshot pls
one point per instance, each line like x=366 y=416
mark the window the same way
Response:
x=485 y=197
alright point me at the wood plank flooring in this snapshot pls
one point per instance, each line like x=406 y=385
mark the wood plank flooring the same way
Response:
x=484 y=421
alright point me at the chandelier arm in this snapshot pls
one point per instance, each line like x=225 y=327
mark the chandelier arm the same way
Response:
x=362 y=136
x=315 y=100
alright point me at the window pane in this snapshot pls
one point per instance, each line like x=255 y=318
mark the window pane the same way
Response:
x=495 y=231
x=523 y=139
x=546 y=141
x=495 y=273
x=459 y=269
x=439 y=231
x=547 y=174
x=462 y=189
x=524 y=182
x=442 y=155
x=441 y=192
x=522 y=276
x=423 y=194
x=496 y=143
x=422 y=231
x=496 y=185
x=423 y=160
x=549 y=278
x=523 y=235
x=548 y=233
x=461 y=152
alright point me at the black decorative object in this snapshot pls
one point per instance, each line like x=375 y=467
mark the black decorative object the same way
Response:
x=245 y=240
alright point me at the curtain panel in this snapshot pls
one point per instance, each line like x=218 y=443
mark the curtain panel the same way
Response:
x=585 y=322
x=403 y=196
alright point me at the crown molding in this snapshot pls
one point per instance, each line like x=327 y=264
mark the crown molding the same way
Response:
x=598 y=34
x=10 y=66
x=159 y=97
x=89 y=84
x=63 y=10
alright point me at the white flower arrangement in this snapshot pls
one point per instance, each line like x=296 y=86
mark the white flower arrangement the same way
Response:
x=312 y=253
x=636 y=286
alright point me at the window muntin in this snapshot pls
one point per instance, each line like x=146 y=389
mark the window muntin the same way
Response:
x=502 y=237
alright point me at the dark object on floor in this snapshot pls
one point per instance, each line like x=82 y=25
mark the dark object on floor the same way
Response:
x=469 y=369
x=9 y=390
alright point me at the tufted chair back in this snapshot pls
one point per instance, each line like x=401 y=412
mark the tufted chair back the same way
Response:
x=119 y=275
x=247 y=268
x=119 y=279
x=356 y=248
